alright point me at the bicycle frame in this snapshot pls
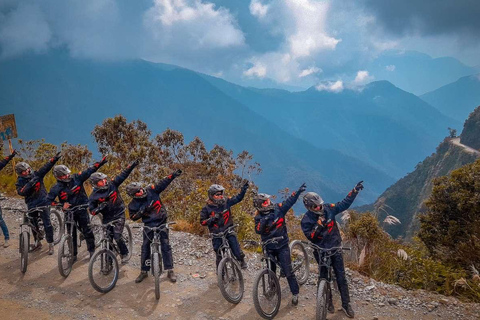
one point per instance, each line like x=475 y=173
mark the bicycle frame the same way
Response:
x=155 y=241
x=268 y=258
x=225 y=250
x=105 y=241
x=28 y=224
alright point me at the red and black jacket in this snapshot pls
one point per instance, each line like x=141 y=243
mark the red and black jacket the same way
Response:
x=73 y=191
x=115 y=207
x=150 y=208
x=273 y=223
x=210 y=213
x=32 y=188
x=327 y=234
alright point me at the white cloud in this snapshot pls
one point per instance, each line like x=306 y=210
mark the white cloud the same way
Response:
x=362 y=78
x=309 y=71
x=257 y=70
x=24 y=28
x=194 y=23
x=390 y=68
x=331 y=86
x=258 y=9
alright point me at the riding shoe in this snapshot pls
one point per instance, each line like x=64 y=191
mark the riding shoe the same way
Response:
x=348 y=310
x=295 y=299
x=141 y=276
x=243 y=264
x=171 y=275
x=6 y=244
x=51 y=249
x=124 y=258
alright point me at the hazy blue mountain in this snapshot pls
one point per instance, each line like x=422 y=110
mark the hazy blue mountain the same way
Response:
x=417 y=72
x=456 y=99
x=59 y=98
x=381 y=124
x=405 y=199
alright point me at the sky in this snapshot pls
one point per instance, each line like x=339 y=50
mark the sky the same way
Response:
x=291 y=43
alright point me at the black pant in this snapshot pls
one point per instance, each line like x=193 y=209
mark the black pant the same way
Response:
x=47 y=225
x=164 y=246
x=82 y=222
x=339 y=269
x=234 y=245
x=115 y=232
x=282 y=255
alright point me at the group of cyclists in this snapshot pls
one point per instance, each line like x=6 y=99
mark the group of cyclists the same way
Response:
x=318 y=223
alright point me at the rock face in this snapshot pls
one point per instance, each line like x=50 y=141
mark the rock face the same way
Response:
x=405 y=198
x=44 y=294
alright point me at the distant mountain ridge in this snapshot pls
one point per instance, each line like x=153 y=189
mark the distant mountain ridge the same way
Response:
x=59 y=98
x=365 y=123
x=456 y=99
x=405 y=198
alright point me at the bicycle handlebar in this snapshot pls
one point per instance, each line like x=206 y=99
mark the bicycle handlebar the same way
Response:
x=227 y=231
x=273 y=240
x=104 y=225
x=160 y=227
x=36 y=209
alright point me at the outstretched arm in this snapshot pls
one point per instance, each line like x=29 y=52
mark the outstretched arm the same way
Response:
x=84 y=175
x=347 y=202
x=48 y=166
x=239 y=197
x=125 y=173
x=7 y=159
x=290 y=201
x=163 y=184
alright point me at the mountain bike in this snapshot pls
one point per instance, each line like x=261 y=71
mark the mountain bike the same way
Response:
x=324 y=286
x=156 y=260
x=32 y=226
x=229 y=275
x=103 y=267
x=66 y=250
x=267 y=294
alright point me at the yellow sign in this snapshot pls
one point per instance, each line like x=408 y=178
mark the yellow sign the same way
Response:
x=8 y=129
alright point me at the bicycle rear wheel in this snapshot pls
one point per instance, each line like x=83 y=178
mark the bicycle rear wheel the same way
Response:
x=321 y=313
x=300 y=261
x=57 y=225
x=267 y=294
x=128 y=238
x=230 y=280
x=65 y=255
x=103 y=271
x=24 y=246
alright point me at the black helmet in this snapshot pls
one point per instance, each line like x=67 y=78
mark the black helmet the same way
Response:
x=313 y=202
x=96 y=177
x=23 y=166
x=61 y=171
x=258 y=201
x=214 y=189
x=135 y=187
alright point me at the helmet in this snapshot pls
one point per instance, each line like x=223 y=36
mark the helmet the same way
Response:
x=214 y=189
x=313 y=202
x=23 y=166
x=96 y=177
x=135 y=187
x=258 y=201
x=61 y=171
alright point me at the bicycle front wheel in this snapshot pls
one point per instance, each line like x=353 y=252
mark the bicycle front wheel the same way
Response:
x=230 y=280
x=65 y=256
x=57 y=225
x=24 y=245
x=128 y=238
x=156 y=273
x=300 y=262
x=267 y=294
x=103 y=271
x=322 y=300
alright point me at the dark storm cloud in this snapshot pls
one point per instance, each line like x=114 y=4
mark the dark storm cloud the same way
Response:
x=427 y=17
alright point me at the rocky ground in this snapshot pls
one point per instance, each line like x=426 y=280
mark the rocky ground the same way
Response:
x=42 y=293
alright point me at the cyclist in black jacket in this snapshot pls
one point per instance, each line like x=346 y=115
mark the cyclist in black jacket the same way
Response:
x=216 y=215
x=30 y=186
x=70 y=193
x=320 y=227
x=147 y=205
x=106 y=199
x=270 y=223
x=3 y=225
